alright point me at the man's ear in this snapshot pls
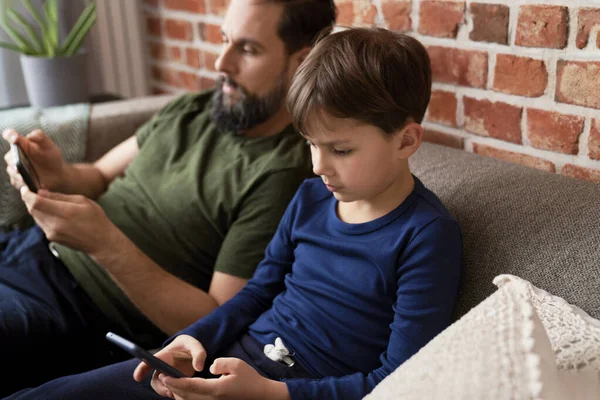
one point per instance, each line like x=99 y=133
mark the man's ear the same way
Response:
x=409 y=139
x=298 y=57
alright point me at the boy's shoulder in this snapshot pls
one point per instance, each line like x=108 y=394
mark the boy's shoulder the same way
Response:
x=312 y=190
x=430 y=202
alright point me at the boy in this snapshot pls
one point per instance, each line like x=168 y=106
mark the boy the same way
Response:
x=364 y=268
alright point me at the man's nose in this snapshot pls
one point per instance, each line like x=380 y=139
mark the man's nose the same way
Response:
x=226 y=61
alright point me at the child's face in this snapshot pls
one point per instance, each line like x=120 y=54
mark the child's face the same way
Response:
x=356 y=161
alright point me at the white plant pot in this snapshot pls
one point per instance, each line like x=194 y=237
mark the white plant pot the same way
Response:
x=56 y=81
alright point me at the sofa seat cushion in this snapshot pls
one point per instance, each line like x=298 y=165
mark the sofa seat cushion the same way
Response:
x=517 y=220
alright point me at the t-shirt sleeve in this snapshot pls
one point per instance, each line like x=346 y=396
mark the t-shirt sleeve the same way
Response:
x=244 y=245
x=428 y=278
x=176 y=106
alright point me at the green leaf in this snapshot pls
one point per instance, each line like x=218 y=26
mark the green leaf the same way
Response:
x=51 y=10
x=10 y=46
x=35 y=14
x=35 y=40
x=20 y=41
x=79 y=31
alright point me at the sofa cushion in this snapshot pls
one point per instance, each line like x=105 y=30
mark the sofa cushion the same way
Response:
x=518 y=220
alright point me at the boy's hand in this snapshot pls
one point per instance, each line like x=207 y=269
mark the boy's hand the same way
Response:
x=43 y=153
x=184 y=353
x=238 y=381
x=71 y=220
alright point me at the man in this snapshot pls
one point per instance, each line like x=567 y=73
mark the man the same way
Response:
x=183 y=210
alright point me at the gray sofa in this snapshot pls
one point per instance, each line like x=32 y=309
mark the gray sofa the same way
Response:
x=516 y=220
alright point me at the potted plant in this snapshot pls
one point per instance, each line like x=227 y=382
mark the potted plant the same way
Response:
x=55 y=70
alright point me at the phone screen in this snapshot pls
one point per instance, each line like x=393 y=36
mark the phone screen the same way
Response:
x=144 y=355
x=26 y=169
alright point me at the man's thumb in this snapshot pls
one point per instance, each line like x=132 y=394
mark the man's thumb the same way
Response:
x=36 y=135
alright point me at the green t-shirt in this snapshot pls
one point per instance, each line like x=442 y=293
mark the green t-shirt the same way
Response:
x=195 y=200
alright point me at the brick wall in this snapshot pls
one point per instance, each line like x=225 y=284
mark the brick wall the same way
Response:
x=517 y=80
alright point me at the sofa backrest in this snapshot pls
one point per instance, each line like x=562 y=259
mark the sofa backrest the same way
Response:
x=518 y=220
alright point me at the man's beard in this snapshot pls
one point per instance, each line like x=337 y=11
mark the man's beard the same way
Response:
x=247 y=110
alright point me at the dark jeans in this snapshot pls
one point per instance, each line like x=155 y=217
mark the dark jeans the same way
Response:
x=115 y=382
x=49 y=327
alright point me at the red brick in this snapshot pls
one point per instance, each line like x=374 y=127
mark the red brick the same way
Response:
x=178 y=29
x=345 y=14
x=588 y=18
x=209 y=60
x=490 y=23
x=368 y=14
x=211 y=33
x=159 y=91
x=189 y=81
x=578 y=82
x=441 y=18
x=153 y=26
x=175 y=54
x=594 y=142
x=459 y=67
x=397 y=14
x=444 y=139
x=577 y=172
x=194 y=6
x=522 y=76
x=193 y=57
x=207 y=83
x=157 y=51
x=543 y=26
x=553 y=131
x=516 y=158
x=497 y=120
x=442 y=108
x=218 y=7
x=165 y=75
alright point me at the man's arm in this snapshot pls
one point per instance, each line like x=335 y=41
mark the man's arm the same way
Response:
x=169 y=302
x=91 y=180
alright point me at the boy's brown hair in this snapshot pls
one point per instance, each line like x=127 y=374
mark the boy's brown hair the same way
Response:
x=372 y=75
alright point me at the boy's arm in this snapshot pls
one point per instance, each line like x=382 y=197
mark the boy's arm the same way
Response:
x=428 y=278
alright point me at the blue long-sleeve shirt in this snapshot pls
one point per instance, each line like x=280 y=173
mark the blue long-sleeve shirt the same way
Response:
x=351 y=301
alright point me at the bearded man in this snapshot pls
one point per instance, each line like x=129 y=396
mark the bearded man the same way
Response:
x=169 y=224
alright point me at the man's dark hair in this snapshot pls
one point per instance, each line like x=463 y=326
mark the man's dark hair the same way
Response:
x=303 y=20
x=373 y=75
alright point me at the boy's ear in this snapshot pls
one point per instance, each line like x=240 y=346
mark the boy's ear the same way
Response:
x=409 y=139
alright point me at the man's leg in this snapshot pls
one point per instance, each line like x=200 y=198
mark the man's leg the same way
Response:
x=46 y=320
x=113 y=382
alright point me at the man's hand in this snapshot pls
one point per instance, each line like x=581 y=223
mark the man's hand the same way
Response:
x=43 y=153
x=238 y=381
x=71 y=220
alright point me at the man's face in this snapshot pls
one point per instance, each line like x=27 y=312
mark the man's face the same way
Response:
x=254 y=66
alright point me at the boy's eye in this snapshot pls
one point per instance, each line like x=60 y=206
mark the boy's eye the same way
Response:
x=248 y=50
x=341 y=152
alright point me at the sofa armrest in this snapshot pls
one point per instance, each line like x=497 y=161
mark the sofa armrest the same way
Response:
x=114 y=121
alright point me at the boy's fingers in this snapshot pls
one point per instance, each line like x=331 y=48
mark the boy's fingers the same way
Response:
x=225 y=365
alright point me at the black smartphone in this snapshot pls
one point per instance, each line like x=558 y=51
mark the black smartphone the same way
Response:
x=25 y=168
x=144 y=355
